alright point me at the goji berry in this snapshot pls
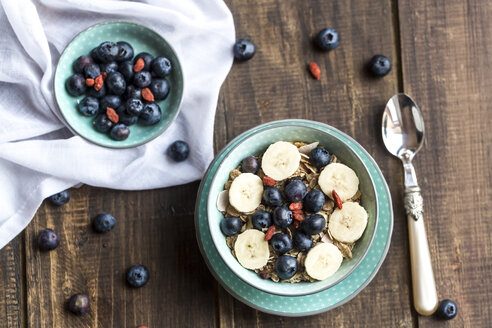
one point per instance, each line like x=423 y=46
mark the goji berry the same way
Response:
x=112 y=115
x=147 y=94
x=104 y=75
x=89 y=82
x=295 y=206
x=267 y=181
x=270 y=233
x=297 y=212
x=298 y=217
x=139 y=65
x=314 y=70
x=98 y=83
x=297 y=224
x=337 y=199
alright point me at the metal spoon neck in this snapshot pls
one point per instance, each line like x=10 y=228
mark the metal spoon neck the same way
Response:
x=409 y=176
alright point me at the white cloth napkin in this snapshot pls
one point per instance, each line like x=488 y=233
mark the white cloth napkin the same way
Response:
x=40 y=157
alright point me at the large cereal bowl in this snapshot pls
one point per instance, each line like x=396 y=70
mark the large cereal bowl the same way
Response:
x=255 y=142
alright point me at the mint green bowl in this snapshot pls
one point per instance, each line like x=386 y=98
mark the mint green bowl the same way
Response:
x=256 y=143
x=142 y=39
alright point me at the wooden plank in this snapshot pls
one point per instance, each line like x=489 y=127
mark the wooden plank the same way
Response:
x=154 y=228
x=275 y=85
x=446 y=48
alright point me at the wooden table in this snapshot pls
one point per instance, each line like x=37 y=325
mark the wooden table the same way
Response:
x=442 y=56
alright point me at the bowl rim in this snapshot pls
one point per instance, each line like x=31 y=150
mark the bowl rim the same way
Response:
x=285 y=123
x=178 y=104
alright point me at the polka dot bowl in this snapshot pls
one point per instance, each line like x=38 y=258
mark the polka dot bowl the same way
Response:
x=142 y=39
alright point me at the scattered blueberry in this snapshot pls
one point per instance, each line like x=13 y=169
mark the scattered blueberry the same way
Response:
x=286 y=267
x=447 y=310
x=91 y=71
x=134 y=106
x=97 y=93
x=244 y=49
x=95 y=56
x=116 y=83
x=249 y=165
x=161 y=66
x=102 y=123
x=295 y=191
x=79 y=304
x=110 y=67
x=231 y=225
x=137 y=276
x=281 y=243
x=125 y=51
x=48 y=240
x=88 y=106
x=75 y=85
x=147 y=58
x=319 y=157
x=314 y=201
x=125 y=117
x=282 y=217
x=380 y=65
x=81 y=62
x=107 y=51
x=272 y=196
x=109 y=101
x=103 y=222
x=327 y=39
x=119 y=132
x=302 y=241
x=132 y=92
x=159 y=88
x=142 y=79
x=60 y=198
x=261 y=219
x=126 y=69
x=151 y=114
x=313 y=224
x=178 y=151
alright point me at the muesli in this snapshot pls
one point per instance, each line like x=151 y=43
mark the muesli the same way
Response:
x=292 y=213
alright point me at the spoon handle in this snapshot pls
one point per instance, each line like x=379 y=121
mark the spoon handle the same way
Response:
x=423 y=283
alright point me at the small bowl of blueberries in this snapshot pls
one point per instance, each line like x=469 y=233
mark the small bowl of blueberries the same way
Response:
x=118 y=84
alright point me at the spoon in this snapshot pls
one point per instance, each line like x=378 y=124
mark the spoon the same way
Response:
x=403 y=136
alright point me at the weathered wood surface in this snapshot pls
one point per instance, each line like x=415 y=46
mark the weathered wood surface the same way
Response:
x=441 y=56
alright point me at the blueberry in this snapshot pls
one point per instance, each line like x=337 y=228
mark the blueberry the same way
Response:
x=159 y=88
x=81 y=62
x=447 y=310
x=88 y=106
x=110 y=67
x=134 y=106
x=116 y=83
x=281 y=243
x=107 y=51
x=147 y=58
x=286 y=267
x=137 y=276
x=103 y=222
x=327 y=39
x=75 y=85
x=282 y=217
x=95 y=56
x=261 y=219
x=97 y=93
x=231 y=225
x=132 y=92
x=119 y=132
x=380 y=65
x=314 y=201
x=178 y=151
x=302 y=241
x=48 y=240
x=319 y=157
x=91 y=71
x=295 y=191
x=102 y=123
x=272 y=196
x=142 y=79
x=313 y=224
x=161 y=66
x=249 y=165
x=125 y=51
x=79 y=304
x=60 y=198
x=109 y=101
x=150 y=115
x=125 y=117
x=244 y=49
x=126 y=69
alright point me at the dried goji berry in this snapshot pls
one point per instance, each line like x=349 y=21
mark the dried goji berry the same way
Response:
x=297 y=224
x=297 y=212
x=104 y=75
x=298 y=217
x=314 y=70
x=147 y=94
x=112 y=115
x=139 y=65
x=295 y=206
x=98 y=83
x=270 y=233
x=267 y=181
x=89 y=82
x=337 y=199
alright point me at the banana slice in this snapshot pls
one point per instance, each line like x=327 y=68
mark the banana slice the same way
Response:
x=341 y=178
x=323 y=260
x=280 y=160
x=251 y=249
x=348 y=224
x=245 y=192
